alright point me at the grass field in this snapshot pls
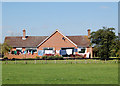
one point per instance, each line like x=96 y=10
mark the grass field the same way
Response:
x=60 y=72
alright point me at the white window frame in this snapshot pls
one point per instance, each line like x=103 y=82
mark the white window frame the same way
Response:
x=82 y=48
x=31 y=49
x=48 y=48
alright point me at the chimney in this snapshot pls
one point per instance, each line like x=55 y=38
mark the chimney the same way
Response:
x=88 y=32
x=24 y=34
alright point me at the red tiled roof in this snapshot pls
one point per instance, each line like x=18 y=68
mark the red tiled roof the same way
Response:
x=33 y=41
x=80 y=41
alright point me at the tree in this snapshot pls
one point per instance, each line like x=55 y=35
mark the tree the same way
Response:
x=117 y=47
x=5 y=48
x=103 y=41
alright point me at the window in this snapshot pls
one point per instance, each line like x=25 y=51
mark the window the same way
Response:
x=81 y=50
x=19 y=49
x=9 y=51
x=31 y=50
x=49 y=50
x=35 y=50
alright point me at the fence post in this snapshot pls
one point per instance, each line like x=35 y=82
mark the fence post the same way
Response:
x=15 y=61
x=105 y=60
x=89 y=61
x=85 y=61
x=45 y=61
x=115 y=61
x=55 y=61
x=65 y=61
x=25 y=62
x=35 y=61
x=95 y=60
x=75 y=61
x=6 y=62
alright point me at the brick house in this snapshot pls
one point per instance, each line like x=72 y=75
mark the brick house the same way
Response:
x=55 y=44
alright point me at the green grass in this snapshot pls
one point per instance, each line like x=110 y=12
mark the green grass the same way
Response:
x=82 y=72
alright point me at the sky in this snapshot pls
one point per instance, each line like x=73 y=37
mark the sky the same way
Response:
x=43 y=18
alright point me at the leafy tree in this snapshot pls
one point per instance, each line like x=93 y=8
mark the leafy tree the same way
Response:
x=118 y=53
x=117 y=47
x=104 y=41
x=4 y=48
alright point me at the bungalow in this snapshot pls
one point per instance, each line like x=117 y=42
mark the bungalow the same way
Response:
x=55 y=44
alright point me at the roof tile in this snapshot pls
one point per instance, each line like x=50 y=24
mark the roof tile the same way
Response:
x=33 y=41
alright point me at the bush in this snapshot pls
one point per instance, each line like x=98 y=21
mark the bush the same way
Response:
x=13 y=59
x=57 y=57
x=44 y=57
x=37 y=57
x=5 y=57
x=50 y=57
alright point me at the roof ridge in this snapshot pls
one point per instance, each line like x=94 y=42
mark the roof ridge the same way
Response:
x=21 y=36
x=79 y=35
x=53 y=34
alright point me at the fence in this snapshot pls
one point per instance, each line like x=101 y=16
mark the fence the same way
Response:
x=59 y=59
x=65 y=61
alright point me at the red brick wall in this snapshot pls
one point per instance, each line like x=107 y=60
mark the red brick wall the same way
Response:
x=57 y=42
x=10 y=56
x=22 y=56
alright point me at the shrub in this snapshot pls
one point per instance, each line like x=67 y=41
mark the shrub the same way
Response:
x=37 y=57
x=5 y=57
x=50 y=57
x=58 y=57
x=13 y=59
x=44 y=57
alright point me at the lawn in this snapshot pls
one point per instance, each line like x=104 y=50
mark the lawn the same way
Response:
x=60 y=72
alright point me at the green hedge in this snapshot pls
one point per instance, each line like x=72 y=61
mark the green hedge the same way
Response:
x=37 y=57
x=57 y=57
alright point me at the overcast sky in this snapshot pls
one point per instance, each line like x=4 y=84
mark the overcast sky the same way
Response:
x=71 y=18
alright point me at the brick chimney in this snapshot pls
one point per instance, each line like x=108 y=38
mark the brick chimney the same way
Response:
x=24 y=34
x=88 y=32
